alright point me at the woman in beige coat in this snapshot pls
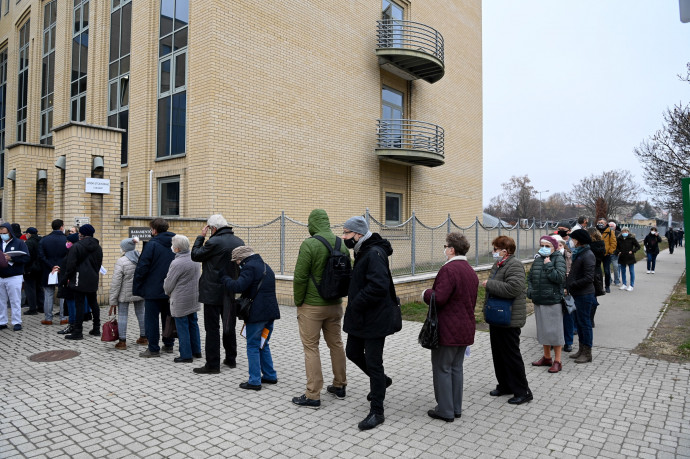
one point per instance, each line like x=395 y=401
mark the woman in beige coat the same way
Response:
x=182 y=285
x=121 y=293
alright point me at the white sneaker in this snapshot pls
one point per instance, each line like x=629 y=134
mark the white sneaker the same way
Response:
x=649 y=272
x=623 y=287
x=630 y=289
x=653 y=272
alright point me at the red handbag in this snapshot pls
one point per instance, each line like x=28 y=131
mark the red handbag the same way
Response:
x=110 y=332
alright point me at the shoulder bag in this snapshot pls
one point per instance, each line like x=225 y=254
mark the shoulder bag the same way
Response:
x=498 y=311
x=428 y=336
x=244 y=305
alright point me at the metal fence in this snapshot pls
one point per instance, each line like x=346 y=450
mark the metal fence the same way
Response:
x=417 y=247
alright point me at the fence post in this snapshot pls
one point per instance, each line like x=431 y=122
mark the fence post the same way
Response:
x=414 y=241
x=476 y=241
x=518 y=239
x=448 y=232
x=366 y=216
x=282 y=242
x=534 y=232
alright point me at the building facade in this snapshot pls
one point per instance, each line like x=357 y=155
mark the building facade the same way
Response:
x=186 y=108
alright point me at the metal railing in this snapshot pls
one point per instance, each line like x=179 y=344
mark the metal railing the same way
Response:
x=402 y=134
x=394 y=33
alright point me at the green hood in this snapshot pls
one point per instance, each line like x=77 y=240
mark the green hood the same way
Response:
x=318 y=222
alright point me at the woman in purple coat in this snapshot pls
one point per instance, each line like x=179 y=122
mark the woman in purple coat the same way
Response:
x=455 y=289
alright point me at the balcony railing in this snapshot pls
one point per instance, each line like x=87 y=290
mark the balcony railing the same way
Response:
x=410 y=142
x=413 y=48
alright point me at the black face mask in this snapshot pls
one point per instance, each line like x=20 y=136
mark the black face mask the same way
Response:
x=601 y=227
x=562 y=233
x=350 y=243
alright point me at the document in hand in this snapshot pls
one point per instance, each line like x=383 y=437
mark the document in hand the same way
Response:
x=264 y=335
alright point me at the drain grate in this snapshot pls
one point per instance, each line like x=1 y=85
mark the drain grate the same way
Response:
x=53 y=356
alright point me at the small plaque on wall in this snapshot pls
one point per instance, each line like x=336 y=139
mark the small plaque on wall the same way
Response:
x=97 y=185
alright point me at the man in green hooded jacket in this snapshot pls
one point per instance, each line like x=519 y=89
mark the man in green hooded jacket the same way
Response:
x=315 y=314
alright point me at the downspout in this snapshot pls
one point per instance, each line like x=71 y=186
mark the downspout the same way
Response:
x=150 y=192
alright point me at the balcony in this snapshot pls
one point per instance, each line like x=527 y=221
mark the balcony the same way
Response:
x=410 y=50
x=410 y=142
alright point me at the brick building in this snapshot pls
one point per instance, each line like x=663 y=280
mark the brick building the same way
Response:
x=243 y=107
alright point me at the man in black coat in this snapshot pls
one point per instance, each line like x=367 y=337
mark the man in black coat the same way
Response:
x=82 y=273
x=11 y=277
x=32 y=274
x=215 y=258
x=52 y=250
x=671 y=240
x=149 y=275
x=372 y=311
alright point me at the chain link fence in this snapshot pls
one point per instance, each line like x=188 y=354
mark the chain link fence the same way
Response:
x=417 y=247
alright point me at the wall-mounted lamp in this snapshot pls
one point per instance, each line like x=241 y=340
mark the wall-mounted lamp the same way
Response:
x=42 y=175
x=12 y=175
x=61 y=162
x=97 y=163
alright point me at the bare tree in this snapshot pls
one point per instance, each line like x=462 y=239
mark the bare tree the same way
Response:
x=517 y=200
x=557 y=207
x=616 y=188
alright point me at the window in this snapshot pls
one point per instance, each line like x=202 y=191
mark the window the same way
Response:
x=48 y=72
x=169 y=196
x=118 y=73
x=6 y=6
x=172 y=78
x=3 y=111
x=392 y=15
x=393 y=208
x=80 y=60
x=391 y=117
x=23 y=81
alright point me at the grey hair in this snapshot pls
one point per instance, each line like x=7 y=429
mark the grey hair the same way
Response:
x=180 y=242
x=217 y=221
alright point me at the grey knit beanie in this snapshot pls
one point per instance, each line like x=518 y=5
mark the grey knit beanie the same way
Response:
x=127 y=244
x=357 y=224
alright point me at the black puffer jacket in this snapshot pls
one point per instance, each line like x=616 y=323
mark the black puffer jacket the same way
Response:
x=372 y=308
x=599 y=251
x=83 y=264
x=580 y=280
x=625 y=246
x=265 y=304
x=153 y=266
x=214 y=257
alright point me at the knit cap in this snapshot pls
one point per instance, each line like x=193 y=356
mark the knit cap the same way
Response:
x=241 y=252
x=357 y=224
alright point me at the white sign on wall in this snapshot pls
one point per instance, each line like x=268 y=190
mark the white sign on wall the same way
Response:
x=97 y=185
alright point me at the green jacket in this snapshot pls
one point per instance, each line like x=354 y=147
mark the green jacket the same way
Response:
x=546 y=281
x=508 y=281
x=312 y=260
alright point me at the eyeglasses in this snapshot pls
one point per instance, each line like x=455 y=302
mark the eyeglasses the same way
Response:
x=445 y=246
x=345 y=233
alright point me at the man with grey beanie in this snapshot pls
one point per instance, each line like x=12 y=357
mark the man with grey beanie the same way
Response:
x=372 y=311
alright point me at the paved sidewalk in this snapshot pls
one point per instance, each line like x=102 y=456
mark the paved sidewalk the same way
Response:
x=109 y=403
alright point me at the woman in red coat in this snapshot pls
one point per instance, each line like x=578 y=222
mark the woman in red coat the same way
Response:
x=455 y=289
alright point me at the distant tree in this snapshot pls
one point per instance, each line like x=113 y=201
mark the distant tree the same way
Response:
x=644 y=208
x=601 y=209
x=557 y=207
x=517 y=200
x=616 y=188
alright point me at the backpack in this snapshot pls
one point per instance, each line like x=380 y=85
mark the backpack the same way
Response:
x=335 y=279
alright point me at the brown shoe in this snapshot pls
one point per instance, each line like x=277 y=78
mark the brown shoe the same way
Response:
x=47 y=322
x=64 y=321
x=543 y=362
x=121 y=345
x=556 y=367
x=144 y=341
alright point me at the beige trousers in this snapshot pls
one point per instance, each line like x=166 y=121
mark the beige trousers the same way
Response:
x=312 y=320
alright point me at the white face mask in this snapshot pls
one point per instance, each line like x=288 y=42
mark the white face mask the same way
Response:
x=562 y=250
x=497 y=255
x=173 y=249
x=445 y=257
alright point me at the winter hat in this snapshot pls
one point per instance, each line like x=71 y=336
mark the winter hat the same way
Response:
x=550 y=240
x=241 y=252
x=16 y=230
x=73 y=238
x=558 y=238
x=127 y=244
x=357 y=224
x=87 y=230
x=32 y=230
x=581 y=236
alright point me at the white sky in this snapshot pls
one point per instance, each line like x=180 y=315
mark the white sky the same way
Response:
x=571 y=87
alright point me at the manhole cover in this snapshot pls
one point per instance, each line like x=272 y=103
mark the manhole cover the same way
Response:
x=53 y=356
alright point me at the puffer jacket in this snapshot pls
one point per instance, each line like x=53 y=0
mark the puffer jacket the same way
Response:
x=83 y=265
x=625 y=246
x=508 y=281
x=545 y=281
x=311 y=261
x=265 y=305
x=153 y=266
x=121 y=282
x=651 y=243
x=215 y=258
x=182 y=285
x=372 y=308
x=609 y=237
x=580 y=280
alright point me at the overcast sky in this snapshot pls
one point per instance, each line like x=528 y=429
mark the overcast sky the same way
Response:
x=570 y=88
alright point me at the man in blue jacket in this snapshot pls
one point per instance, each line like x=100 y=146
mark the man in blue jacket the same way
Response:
x=11 y=277
x=148 y=280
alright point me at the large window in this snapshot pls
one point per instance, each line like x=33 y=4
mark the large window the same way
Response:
x=3 y=111
x=391 y=115
x=172 y=78
x=48 y=72
x=118 y=73
x=23 y=82
x=80 y=60
x=169 y=196
x=392 y=14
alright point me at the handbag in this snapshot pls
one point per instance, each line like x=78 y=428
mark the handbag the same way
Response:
x=244 y=304
x=428 y=336
x=170 y=328
x=568 y=304
x=498 y=311
x=110 y=332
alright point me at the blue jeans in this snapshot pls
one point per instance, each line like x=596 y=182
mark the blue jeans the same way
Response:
x=188 y=335
x=616 y=270
x=153 y=309
x=583 y=316
x=72 y=310
x=632 y=274
x=651 y=261
x=568 y=327
x=260 y=361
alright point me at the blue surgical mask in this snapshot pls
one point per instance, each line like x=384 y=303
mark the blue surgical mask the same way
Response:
x=544 y=251
x=497 y=255
x=624 y=234
x=5 y=237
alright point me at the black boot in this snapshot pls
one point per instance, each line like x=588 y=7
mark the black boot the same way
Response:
x=68 y=329
x=76 y=334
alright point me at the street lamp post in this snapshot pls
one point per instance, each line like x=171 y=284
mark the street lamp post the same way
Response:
x=540 y=192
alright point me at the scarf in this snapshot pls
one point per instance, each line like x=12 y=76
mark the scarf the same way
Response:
x=503 y=261
x=578 y=250
x=362 y=239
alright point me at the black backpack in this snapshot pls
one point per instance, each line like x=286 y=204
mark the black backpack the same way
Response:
x=335 y=279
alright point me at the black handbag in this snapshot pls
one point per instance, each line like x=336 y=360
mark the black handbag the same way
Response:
x=169 y=328
x=428 y=336
x=498 y=311
x=244 y=305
